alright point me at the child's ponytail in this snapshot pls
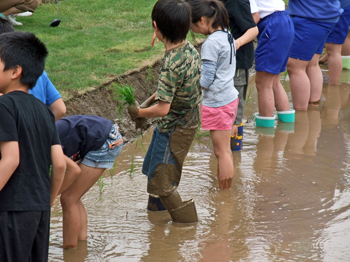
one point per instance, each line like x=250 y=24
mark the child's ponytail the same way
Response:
x=210 y=9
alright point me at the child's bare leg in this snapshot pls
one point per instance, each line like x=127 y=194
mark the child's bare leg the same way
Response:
x=323 y=59
x=281 y=98
x=70 y=200
x=234 y=130
x=299 y=83
x=83 y=221
x=345 y=51
x=222 y=150
x=335 y=63
x=314 y=73
x=264 y=85
x=72 y=173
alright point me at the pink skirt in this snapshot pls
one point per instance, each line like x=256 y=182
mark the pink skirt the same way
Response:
x=219 y=118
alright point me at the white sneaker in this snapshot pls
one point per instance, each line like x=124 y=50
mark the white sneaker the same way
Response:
x=27 y=13
x=12 y=20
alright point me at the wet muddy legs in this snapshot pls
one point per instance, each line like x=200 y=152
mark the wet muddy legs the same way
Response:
x=74 y=213
x=271 y=94
x=221 y=143
x=305 y=81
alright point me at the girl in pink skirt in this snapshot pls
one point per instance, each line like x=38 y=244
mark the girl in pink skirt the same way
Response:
x=220 y=98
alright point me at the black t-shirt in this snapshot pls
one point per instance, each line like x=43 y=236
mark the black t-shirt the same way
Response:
x=240 y=21
x=82 y=133
x=25 y=119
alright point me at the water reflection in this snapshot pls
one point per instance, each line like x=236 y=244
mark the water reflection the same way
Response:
x=290 y=197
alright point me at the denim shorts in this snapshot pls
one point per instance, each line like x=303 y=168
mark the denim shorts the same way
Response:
x=106 y=155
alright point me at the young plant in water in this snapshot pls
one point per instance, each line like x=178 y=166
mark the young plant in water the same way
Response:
x=112 y=171
x=101 y=184
x=124 y=94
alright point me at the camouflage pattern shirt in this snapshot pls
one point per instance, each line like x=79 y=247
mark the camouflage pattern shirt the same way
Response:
x=179 y=85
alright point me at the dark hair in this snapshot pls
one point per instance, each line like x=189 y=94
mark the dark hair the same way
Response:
x=5 y=26
x=173 y=19
x=210 y=9
x=25 y=50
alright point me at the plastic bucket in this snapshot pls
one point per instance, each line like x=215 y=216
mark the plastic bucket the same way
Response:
x=236 y=143
x=264 y=121
x=346 y=62
x=286 y=116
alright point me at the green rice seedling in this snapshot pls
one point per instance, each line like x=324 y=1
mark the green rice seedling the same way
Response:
x=199 y=133
x=137 y=141
x=124 y=94
x=101 y=184
x=249 y=96
x=149 y=77
x=132 y=167
x=111 y=171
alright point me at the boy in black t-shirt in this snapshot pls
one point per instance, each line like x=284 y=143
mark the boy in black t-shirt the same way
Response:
x=29 y=143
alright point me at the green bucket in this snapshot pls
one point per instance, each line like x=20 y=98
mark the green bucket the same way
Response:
x=346 y=62
x=264 y=121
x=286 y=116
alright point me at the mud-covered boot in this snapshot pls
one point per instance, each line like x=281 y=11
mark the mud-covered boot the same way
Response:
x=155 y=204
x=186 y=213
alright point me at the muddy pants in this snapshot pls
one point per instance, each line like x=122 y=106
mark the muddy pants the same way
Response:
x=164 y=159
x=24 y=5
x=241 y=84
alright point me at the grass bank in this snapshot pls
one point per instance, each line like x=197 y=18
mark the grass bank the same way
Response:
x=95 y=42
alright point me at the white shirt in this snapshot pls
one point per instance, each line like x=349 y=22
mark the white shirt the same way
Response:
x=267 y=7
x=253 y=7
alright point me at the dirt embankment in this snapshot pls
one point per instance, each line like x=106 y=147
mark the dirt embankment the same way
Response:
x=101 y=102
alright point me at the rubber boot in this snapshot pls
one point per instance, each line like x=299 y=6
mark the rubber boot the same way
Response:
x=155 y=204
x=186 y=213
x=180 y=212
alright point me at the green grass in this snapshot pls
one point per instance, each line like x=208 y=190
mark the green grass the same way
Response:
x=95 y=42
x=124 y=94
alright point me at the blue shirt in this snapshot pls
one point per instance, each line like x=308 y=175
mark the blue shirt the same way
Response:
x=44 y=90
x=324 y=10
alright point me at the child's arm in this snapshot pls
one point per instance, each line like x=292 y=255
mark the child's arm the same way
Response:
x=58 y=170
x=72 y=172
x=9 y=160
x=160 y=109
x=149 y=101
x=248 y=36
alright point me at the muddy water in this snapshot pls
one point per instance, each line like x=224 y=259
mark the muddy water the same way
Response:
x=290 y=197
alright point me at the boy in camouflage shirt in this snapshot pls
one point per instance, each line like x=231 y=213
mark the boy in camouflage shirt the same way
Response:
x=178 y=96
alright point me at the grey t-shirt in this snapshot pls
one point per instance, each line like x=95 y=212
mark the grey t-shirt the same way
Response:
x=218 y=70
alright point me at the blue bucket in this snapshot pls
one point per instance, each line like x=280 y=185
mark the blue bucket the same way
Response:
x=240 y=129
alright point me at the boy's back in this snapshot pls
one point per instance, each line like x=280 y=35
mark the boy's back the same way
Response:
x=32 y=124
x=179 y=84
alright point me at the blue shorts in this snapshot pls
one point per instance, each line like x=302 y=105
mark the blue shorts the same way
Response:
x=310 y=37
x=106 y=155
x=276 y=33
x=341 y=29
x=157 y=153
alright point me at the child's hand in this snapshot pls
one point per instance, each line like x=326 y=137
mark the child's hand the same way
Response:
x=133 y=111
x=154 y=38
